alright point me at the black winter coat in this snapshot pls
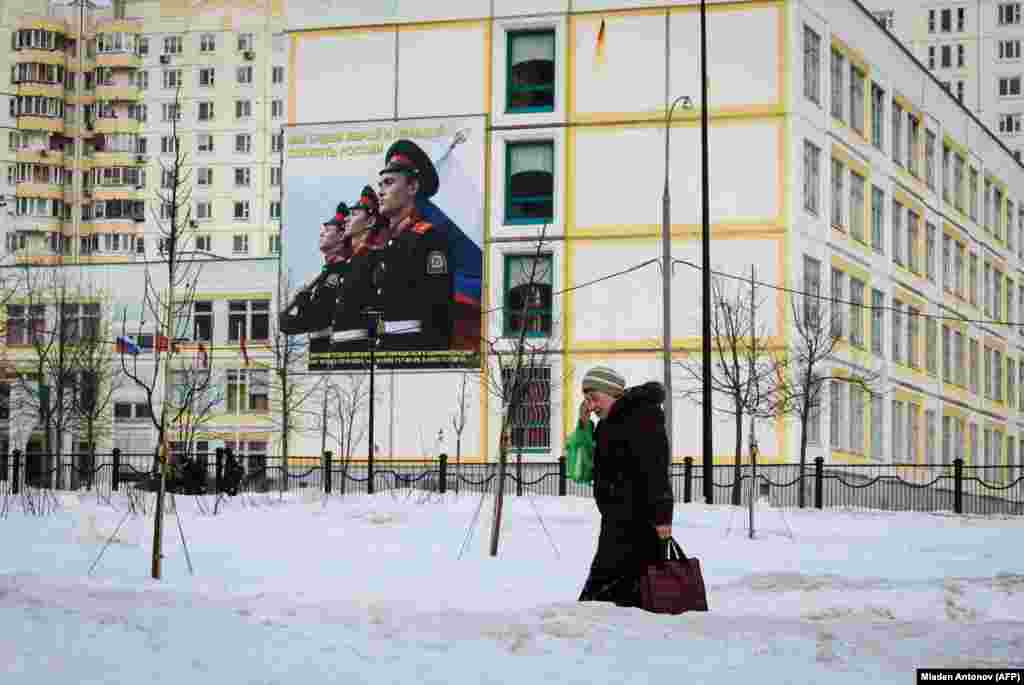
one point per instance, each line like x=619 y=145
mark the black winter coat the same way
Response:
x=632 y=492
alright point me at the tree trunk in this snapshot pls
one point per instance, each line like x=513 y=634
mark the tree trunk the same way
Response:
x=736 y=500
x=803 y=453
x=285 y=428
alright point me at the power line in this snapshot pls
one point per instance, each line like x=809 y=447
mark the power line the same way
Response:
x=836 y=300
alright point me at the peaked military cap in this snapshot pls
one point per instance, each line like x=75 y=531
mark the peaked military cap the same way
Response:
x=368 y=201
x=406 y=157
x=339 y=215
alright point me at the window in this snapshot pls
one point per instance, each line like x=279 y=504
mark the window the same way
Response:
x=528 y=297
x=531 y=71
x=168 y=145
x=837 y=193
x=931 y=21
x=274 y=244
x=812 y=286
x=931 y=56
x=877 y=116
x=243 y=75
x=986 y=289
x=25 y=324
x=836 y=304
x=856 y=419
x=204 y=176
x=276 y=142
x=248 y=391
x=1009 y=13
x=142 y=80
x=204 y=142
x=245 y=42
x=171 y=78
x=898 y=439
x=929 y=255
x=857 y=206
x=275 y=210
x=986 y=371
x=1011 y=377
x=243 y=109
x=204 y=210
x=248 y=319
x=946 y=20
x=897 y=232
x=207 y=77
x=838 y=64
x=856 y=99
x=959 y=373
x=812 y=176
x=856 y=312
x=877 y=219
x=1009 y=49
x=958 y=182
x=275 y=175
x=947 y=184
x=241 y=210
x=240 y=243
x=277 y=75
x=960 y=59
x=529 y=182
x=877 y=322
x=276 y=109
x=243 y=176
x=947 y=56
x=929 y=159
x=958 y=269
x=243 y=146
x=530 y=424
x=812 y=65
x=913 y=144
x=204 y=242
x=835 y=418
x=930 y=342
x=972 y=192
x=913 y=223
x=207 y=42
x=1009 y=86
x=143 y=44
x=885 y=19
x=913 y=346
x=947 y=355
x=972 y=364
x=205 y=112
x=961 y=19
x=170 y=112
x=172 y=45
x=897 y=133
x=166 y=178
x=877 y=422
x=202 y=318
x=897 y=331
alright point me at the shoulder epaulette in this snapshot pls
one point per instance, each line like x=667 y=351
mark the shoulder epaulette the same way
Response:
x=421 y=227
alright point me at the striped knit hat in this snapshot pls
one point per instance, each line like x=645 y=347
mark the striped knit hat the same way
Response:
x=603 y=379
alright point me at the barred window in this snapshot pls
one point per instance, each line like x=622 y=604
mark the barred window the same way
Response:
x=530 y=416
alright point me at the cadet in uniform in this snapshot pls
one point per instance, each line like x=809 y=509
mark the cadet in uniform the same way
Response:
x=312 y=309
x=408 y=280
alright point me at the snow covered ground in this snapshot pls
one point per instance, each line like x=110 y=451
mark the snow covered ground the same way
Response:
x=371 y=589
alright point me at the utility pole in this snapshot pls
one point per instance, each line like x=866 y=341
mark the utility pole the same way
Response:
x=709 y=446
x=750 y=379
x=374 y=339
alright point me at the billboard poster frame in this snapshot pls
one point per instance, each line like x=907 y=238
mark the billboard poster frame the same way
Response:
x=419 y=274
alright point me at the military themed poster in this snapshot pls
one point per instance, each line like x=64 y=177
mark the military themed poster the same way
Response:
x=382 y=229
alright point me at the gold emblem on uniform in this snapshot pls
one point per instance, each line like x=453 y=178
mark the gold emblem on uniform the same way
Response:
x=437 y=263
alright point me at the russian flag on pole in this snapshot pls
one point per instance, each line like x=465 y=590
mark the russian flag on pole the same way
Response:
x=126 y=345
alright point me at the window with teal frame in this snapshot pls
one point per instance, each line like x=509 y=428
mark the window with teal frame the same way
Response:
x=530 y=74
x=529 y=182
x=528 y=295
x=529 y=402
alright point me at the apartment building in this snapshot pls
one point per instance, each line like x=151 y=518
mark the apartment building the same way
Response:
x=88 y=147
x=973 y=48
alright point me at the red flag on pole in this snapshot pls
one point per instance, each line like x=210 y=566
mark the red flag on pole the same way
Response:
x=245 y=351
x=161 y=343
x=202 y=357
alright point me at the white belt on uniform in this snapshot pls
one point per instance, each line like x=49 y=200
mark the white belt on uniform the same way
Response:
x=405 y=327
x=322 y=333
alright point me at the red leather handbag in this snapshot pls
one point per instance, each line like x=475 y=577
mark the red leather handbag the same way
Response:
x=674 y=584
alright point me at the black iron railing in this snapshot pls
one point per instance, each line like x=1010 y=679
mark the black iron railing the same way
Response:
x=955 y=487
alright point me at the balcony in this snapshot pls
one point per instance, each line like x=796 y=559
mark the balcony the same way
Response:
x=122 y=60
x=118 y=92
x=116 y=125
x=40 y=56
x=126 y=192
x=113 y=158
x=55 y=157
x=118 y=26
x=47 y=90
x=38 y=123
x=51 y=191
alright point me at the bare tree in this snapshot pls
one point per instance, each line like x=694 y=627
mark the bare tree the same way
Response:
x=459 y=419
x=292 y=392
x=99 y=378
x=519 y=366
x=168 y=299
x=342 y=420
x=806 y=370
x=743 y=370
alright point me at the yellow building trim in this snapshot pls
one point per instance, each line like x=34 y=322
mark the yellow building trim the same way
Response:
x=851 y=269
x=852 y=55
x=688 y=118
x=256 y=295
x=119 y=25
x=50 y=191
x=956 y=147
x=841 y=154
x=954 y=232
x=489 y=70
x=40 y=57
x=44 y=24
x=46 y=90
x=735 y=229
x=34 y=123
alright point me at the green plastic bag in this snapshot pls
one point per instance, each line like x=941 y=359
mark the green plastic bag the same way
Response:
x=579 y=454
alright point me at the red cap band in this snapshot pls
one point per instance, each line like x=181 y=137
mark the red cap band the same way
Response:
x=339 y=216
x=402 y=159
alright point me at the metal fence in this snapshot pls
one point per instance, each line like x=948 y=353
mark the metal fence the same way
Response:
x=954 y=487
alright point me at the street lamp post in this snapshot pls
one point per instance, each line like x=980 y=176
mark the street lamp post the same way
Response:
x=666 y=274
x=709 y=452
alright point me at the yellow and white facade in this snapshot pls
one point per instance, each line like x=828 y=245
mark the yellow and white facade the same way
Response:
x=618 y=64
